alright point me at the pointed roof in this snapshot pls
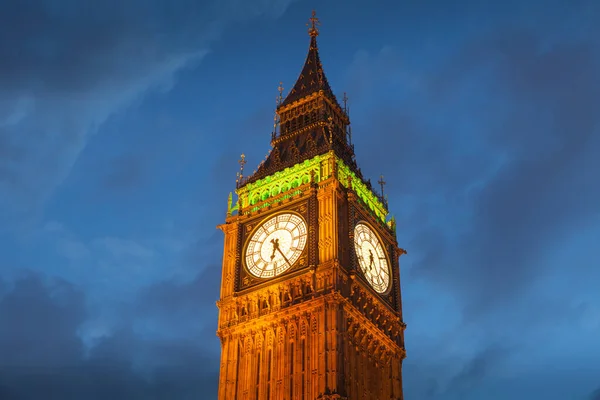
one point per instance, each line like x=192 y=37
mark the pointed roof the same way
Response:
x=305 y=132
x=312 y=78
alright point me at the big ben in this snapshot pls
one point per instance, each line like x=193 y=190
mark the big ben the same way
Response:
x=310 y=304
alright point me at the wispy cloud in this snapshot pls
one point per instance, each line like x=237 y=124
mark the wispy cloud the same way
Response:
x=41 y=352
x=66 y=73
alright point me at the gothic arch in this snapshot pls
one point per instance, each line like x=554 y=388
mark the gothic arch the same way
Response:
x=280 y=335
x=303 y=328
x=248 y=345
x=292 y=331
x=258 y=341
x=270 y=339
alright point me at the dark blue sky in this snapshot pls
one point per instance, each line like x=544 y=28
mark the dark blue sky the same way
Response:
x=121 y=123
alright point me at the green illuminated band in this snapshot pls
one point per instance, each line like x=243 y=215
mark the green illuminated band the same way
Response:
x=278 y=187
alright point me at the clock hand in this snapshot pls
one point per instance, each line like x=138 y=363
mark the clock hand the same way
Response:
x=284 y=257
x=275 y=243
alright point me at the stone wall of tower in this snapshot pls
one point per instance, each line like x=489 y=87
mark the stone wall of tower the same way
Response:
x=231 y=254
x=328 y=340
x=373 y=367
x=319 y=332
x=328 y=210
x=292 y=354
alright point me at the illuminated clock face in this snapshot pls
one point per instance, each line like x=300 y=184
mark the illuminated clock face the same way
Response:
x=276 y=245
x=371 y=258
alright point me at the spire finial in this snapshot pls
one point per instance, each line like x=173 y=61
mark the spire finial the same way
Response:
x=240 y=174
x=381 y=183
x=313 y=31
x=280 y=97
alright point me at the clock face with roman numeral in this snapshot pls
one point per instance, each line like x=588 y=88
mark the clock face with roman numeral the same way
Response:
x=276 y=245
x=371 y=258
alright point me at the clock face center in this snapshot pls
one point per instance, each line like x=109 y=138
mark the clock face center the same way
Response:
x=277 y=246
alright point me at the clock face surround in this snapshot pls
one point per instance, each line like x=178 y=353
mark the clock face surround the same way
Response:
x=275 y=245
x=372 y=259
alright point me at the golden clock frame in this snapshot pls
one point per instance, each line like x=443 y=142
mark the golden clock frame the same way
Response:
x=358 y=213
x=256 y=227
x=386 y=252
x=304 y=207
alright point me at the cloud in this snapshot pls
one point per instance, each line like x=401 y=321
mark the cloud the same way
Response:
x=477 y=369
x=595 y=395
x=183 y=310
x=38 y=323
x=124 y=173
x=42 y=354
x=171 y=298
x=453 y=376
x=121 y=248
x=64 y=74
x=543 y=190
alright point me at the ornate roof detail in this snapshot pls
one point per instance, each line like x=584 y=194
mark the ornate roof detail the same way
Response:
x=312 y=78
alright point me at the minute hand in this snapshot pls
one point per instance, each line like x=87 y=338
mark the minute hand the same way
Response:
x=284 y=257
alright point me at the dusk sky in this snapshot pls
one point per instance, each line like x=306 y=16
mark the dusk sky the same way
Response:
x=121 y=126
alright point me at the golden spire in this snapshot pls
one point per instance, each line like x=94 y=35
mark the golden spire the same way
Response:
x=313 y=31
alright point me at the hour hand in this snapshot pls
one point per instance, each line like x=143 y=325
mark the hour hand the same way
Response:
x=275 y=243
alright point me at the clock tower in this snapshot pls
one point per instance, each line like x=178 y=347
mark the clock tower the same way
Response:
x=310 y=304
